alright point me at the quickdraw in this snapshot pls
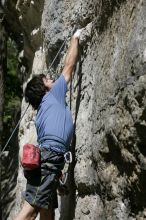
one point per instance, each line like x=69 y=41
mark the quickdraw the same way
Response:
x=68 y=160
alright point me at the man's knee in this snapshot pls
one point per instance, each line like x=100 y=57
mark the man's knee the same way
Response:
x=28 y=212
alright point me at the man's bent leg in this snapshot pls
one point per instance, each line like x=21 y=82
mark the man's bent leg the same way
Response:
x=28 y=212
x=47 y=214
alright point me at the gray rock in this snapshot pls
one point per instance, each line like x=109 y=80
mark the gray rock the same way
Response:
x=108 y=99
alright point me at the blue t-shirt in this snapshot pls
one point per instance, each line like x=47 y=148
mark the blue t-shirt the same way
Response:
x=54 y=122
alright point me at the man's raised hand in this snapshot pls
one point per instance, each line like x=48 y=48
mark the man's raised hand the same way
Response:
x=78 y=32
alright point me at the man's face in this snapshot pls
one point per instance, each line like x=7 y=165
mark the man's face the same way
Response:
x=48 y=82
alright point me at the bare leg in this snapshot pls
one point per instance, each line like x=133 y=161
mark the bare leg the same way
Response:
x=47 y=214
x=28 y=212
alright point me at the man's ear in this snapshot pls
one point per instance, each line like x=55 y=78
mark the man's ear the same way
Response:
x=45 y=81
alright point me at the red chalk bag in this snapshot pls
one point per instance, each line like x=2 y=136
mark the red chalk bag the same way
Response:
x=31 y=156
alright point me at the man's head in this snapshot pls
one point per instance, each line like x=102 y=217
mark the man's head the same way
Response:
x=36 y=89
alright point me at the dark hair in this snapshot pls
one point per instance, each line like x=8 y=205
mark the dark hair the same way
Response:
x=35 y=90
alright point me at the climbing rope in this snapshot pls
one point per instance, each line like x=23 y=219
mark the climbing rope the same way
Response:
x=14 y=131
x=57 y=55
x=29 y=104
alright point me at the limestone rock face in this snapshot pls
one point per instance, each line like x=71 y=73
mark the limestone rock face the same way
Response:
x=107 y=98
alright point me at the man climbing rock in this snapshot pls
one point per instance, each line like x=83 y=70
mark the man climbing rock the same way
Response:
x=54 y=127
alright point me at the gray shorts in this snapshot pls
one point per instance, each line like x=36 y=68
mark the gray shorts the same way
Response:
x=42 y=182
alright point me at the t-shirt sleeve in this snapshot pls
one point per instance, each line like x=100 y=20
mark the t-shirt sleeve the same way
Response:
x=59 y=89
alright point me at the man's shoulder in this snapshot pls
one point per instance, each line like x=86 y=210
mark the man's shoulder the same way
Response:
x=60 y=79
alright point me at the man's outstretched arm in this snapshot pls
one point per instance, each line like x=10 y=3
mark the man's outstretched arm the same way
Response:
x=72 y=55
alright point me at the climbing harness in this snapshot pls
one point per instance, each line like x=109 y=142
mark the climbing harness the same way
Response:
x=29 y=104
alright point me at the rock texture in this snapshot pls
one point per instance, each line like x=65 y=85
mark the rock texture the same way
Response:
x=107 y=98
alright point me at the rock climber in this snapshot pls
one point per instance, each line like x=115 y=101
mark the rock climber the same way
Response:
x=54 y=127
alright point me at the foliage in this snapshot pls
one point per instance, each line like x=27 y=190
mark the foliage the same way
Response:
x=12 y=94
